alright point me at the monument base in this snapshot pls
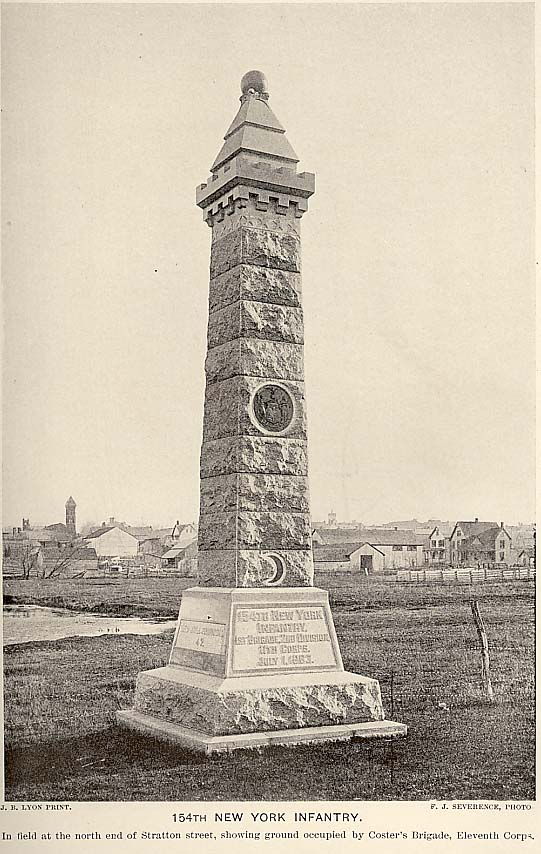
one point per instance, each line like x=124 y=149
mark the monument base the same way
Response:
x=252 y=666
x=193 y=740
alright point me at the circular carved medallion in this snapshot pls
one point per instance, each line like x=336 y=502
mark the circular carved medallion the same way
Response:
x=273 y=408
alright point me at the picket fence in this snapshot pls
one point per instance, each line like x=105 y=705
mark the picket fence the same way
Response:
x=468 y=575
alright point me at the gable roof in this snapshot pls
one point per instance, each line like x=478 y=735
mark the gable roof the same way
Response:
x=385 y=537
x=370 y=546
x=175 y=551
x=147 y=532
x=475 y=527
x=374 y=536
x=338 y=535
x=335 y=551
x=444 y=528
x=99 y=532
x=487 y=538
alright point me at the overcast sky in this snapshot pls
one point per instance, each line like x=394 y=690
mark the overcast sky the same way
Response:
x=417 y=251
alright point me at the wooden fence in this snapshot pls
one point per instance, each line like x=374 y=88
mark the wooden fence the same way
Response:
x=468 y=575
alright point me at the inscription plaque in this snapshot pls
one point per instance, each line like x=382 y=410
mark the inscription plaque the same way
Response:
x=281 y=638
x=273 y=408
x=201 y=636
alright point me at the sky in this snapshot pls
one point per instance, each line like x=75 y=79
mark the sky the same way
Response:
x=418 y=251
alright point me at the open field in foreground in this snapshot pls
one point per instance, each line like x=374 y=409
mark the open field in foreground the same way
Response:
x=419 y=641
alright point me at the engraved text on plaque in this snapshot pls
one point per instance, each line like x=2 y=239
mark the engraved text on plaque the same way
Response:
x=282 y=638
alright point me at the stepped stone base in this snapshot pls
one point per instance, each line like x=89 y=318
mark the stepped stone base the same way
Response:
x=254 y=666
x=194 y=740
x=217 y=706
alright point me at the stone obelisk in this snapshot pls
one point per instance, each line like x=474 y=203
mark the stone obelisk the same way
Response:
x=255 y=659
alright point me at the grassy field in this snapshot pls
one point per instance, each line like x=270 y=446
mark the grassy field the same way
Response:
x=418 y=640
x=127 y=597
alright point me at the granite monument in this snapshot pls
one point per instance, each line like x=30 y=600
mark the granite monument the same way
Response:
x=255 y=659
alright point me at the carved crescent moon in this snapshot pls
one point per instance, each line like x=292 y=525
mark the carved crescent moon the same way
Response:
x=279 y=569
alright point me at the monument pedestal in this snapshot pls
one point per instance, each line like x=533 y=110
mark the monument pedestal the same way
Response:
x=256 y=666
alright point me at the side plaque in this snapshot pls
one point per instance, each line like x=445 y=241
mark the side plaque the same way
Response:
x=201 y=636
x=267 y=639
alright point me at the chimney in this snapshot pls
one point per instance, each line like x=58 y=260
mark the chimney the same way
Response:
x=501 y=524
x=111 y=520
x=476 y=519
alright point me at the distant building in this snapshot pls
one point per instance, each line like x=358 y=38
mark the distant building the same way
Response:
x=477 y=542
x=522 y=539
x=378 y=550
x=181 y=559
x=438 y=545
x=414 y=525
x=112 y=541
x=179 y=534
x=526 y=557
x=71 y=524
x=335 y=557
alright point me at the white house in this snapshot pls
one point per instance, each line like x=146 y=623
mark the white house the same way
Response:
x=438 y=545
x=112 y=541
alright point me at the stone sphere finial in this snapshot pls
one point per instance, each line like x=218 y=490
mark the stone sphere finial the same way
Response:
x=256 y=81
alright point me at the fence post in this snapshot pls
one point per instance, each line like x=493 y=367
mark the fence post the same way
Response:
x=485 y=660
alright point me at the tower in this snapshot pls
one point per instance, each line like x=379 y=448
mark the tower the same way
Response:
x=255 y=658
x=70 y=516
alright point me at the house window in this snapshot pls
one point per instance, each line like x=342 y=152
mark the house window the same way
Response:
x=412 y=548
x=397 y=548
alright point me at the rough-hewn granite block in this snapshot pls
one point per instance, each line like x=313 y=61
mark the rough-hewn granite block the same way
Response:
x=257 y=246
x=256 y=358
x=254 y=454
x=255 y=530
x=251 y=319
x=261 y=284
x=260 y=492
x=219 y=711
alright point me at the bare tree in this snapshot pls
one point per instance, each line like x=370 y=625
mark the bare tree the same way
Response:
x=64 y=561
x=30 y=559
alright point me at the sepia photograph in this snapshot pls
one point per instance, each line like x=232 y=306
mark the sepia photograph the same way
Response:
x=268 y=525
